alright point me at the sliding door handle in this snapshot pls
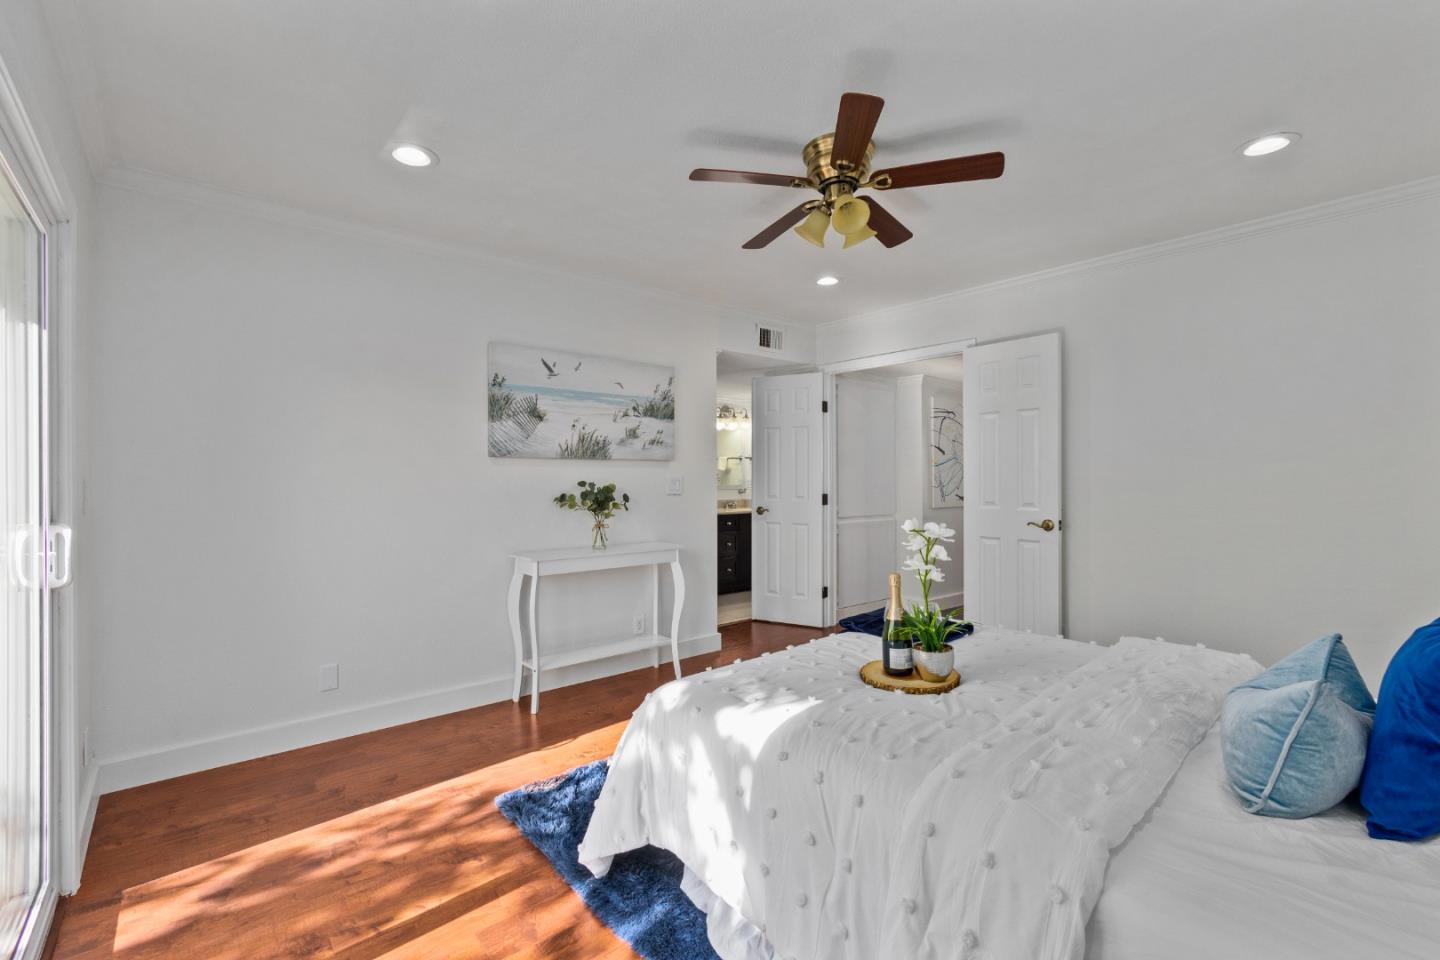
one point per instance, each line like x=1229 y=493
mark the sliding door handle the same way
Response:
x=58 y=558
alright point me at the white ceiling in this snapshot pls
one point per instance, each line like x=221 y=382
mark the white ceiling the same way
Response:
x=734 y=371
x=946 y=368
x=566 y=130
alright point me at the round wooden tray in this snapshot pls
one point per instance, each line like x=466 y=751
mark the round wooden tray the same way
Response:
x=873 y=673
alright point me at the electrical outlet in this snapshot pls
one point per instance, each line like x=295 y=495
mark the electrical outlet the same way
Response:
x=639 y=624
x=329 y=676
x=677 y=486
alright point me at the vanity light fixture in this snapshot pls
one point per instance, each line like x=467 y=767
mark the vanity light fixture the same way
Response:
x=728 y=417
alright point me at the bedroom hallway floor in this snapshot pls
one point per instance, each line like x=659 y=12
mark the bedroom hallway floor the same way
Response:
x=386 y=844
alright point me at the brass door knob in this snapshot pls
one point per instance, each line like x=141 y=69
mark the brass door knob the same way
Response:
x=762 y=510
x=1047 y=524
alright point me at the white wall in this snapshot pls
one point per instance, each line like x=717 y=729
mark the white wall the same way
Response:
x=39 y=79
x=912 y=493
x=914 y=469
x=865 y=491
x=1252 y=426
x=290 y=470
x=951 y=591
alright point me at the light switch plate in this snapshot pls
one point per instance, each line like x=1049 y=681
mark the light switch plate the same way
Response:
x=677 y=486
x=329 y=676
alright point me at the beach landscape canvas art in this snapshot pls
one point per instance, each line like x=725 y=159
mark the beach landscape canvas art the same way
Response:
x=557 y=405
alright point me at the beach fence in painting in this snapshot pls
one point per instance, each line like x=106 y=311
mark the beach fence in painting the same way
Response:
x=553 y=404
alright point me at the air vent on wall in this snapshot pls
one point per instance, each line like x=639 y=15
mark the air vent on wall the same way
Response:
x=771 y=339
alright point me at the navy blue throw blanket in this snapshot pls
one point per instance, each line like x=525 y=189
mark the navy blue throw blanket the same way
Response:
x=872 y=622
x=640 y=898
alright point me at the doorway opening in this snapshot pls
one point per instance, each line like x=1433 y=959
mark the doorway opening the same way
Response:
x=734 y=477
x=898 y=457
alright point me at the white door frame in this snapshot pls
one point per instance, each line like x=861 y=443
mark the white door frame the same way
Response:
x=71 y=802
x=855 y=365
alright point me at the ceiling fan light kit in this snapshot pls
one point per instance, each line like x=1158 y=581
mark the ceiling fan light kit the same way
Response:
x=839 y=164
x=850 y=215
x=814 y=226
x=859 y=236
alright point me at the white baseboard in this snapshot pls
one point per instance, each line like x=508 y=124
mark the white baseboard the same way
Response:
x=949 y=601
x=121 y=773
x=946 y=601
x=89 y=802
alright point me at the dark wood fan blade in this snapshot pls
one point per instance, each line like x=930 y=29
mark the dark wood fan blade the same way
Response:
x=854 y=127
x=888 y=230
x=744 y=176
x=763 y=238
x=982 y=166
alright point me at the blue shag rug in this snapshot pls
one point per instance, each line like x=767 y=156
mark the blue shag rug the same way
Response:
x=640 y=898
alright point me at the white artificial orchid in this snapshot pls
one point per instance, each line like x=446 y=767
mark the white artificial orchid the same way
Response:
x=925 y=544
x=929 y=627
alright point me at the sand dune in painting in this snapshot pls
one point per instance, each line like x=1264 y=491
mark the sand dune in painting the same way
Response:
x=552 y=404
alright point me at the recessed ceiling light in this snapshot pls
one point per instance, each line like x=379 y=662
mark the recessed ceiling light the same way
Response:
x=828 y=281
x=412 y=155
x=1270 y=143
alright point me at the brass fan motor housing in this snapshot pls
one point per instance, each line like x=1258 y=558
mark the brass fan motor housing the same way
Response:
x=834 y=182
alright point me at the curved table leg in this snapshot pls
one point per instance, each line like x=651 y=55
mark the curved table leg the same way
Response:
x=655 y=613
x=535 y=644
x=675 y=615
x=516 y=634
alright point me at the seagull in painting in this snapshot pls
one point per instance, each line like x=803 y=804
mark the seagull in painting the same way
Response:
x=577 y=366
x=618 y=384
x=550 y=373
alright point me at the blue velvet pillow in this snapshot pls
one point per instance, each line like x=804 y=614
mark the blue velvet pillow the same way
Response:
x=1294 y=737
x=1401 y=788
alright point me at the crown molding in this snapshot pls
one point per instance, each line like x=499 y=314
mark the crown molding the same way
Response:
x=1360 y=203
x=195 y=192
x=36 y=177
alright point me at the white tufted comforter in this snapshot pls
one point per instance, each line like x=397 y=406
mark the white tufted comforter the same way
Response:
x=824 y=819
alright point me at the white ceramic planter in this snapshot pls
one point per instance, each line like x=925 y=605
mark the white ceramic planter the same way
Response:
x=935 y=667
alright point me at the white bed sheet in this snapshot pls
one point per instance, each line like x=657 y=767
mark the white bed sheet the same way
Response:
x=1201 y=879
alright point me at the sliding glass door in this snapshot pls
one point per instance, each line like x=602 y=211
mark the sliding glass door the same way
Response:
x=24 y=667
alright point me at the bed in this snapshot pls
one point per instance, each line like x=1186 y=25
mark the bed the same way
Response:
x=1066 y=801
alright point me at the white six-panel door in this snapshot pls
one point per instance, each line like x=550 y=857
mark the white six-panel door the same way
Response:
x=787 y=536
x=1012 y=483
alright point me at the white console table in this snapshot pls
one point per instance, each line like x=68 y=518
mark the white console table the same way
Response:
x=538 y=564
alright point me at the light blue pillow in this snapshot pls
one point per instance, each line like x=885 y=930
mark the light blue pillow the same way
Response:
x=1294 y=737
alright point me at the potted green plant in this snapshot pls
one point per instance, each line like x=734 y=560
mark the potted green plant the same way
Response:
x=927 y=627
x=602 y=503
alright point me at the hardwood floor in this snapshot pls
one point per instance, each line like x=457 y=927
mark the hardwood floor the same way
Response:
x=386 y=844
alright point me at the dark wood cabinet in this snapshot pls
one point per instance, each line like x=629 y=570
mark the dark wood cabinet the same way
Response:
x=734 y=550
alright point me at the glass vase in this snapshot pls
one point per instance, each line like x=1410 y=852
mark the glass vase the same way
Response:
x=600 y=535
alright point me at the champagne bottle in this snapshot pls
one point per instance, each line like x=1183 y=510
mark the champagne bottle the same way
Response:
x=895 y=653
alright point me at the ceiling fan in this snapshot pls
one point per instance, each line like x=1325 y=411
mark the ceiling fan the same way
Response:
x=838 y=164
